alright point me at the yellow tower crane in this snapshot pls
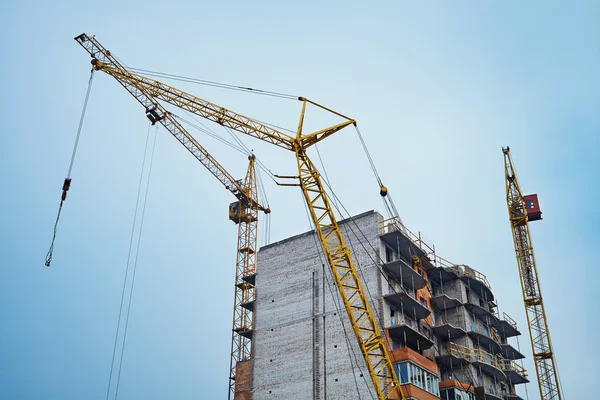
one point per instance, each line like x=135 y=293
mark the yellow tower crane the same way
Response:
x=522 y=210
x=362 y=319
x=244 y=212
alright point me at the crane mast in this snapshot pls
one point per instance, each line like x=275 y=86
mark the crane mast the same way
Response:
x=545 y=364
x=245 y=215
x=362 y=319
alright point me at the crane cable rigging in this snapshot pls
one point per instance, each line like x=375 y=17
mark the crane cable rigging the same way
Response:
x=379 y=261
x=137 y=252
x=220 y=85
x=242 y=148
x=67 y=182
x=383 y=191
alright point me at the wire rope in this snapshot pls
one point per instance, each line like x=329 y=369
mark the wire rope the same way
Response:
x=135 y=214
x=366 y=150
x=209 y=133
x=214 y=84
x=135 y=263
x=67 y=182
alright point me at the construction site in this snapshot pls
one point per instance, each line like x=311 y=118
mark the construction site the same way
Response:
x=258 y=207
x=360 y=307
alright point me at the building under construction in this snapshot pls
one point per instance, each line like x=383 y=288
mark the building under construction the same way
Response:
x=441 y=324
x=312 y=321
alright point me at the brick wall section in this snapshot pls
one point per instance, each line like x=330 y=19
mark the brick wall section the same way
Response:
x=243 y=380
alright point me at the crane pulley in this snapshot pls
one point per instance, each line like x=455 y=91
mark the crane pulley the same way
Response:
x=362 y=319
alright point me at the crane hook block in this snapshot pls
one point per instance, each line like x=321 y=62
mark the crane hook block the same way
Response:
x=65 y=188
x=383 y=191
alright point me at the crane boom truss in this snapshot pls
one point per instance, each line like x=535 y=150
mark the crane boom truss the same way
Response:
x=539 y=332
x=366 y=329
x=168 y=120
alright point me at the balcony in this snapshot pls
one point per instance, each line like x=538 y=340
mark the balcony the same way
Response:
x=474 y=279
x=489 y=363
x=481 y=312
x=444 y=302
x=453 y=355
x=512 y=396
x=485 y=337
x=396 y=236
x=510 y=353
x=405 y=274
x=515 y=373
x=445 y=330
x=404 y=301
x=408 y=332
x=507 y=327
x=488 y=393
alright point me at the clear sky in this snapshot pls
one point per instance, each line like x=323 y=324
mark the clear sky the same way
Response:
x=437 y=90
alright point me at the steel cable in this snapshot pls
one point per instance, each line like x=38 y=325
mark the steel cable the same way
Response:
x=135 y=263
x=135 y=213
x=67 y=182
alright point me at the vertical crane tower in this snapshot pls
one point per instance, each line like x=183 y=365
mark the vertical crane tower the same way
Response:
x=541 y=345
x=362 y=319
x=245 y=215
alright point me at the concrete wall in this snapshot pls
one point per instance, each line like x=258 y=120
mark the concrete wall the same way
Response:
x=455 y=289
x=302 y=332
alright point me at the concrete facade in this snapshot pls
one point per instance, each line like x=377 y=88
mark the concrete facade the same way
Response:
x=440 y=322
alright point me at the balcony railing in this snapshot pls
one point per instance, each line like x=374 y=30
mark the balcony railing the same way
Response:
x=472 y=355
x=508 y=319
x=395 y=225
x=511 y=365
x=465 y=270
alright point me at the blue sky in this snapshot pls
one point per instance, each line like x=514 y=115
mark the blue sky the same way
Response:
x=437 y=91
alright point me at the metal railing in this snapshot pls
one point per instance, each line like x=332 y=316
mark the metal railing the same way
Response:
x=511 y=365
x=395 y=225
x=465 y=270
x=510 y=321
x=472 y=355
